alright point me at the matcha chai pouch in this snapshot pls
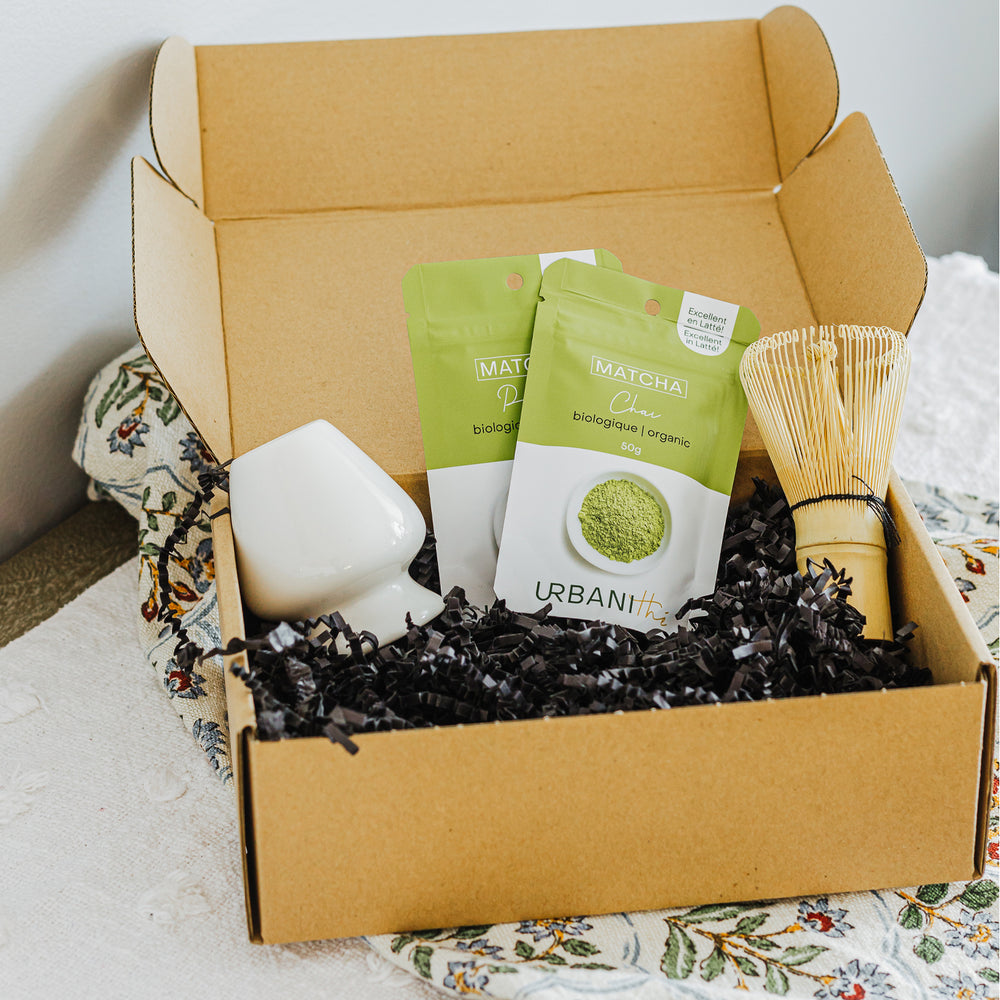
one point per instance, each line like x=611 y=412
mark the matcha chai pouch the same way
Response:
x=630 y=433
x=469 y=324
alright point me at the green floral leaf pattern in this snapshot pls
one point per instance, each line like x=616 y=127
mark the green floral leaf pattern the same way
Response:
x=911 y=917
x=714 y=965
x=932 y=894
x=775 y=981
x=748 y=924
x=716 y=911
x=930 y=949
x=746 y=966
x=134 y=393
x=979 y=895
x=169 y=411
x=801 y=954
x=422 y=960
x=400 y=942
x=468 y=933
x=577 y=946
x=110 y=394
x=678 y=958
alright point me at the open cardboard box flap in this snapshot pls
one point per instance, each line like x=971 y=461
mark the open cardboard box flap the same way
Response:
x=312 y=178
x=304 y=180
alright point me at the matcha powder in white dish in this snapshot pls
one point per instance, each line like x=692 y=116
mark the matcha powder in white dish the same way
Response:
x=621 y=520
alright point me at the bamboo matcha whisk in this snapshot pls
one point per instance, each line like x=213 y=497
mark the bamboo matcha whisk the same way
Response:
x=827 y=403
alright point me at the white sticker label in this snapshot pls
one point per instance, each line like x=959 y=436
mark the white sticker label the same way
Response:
x=584 y=256
x=706 y=325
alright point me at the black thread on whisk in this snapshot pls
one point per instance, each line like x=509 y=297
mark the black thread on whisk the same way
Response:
x=874 y=501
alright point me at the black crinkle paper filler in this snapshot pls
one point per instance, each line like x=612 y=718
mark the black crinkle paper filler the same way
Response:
x=766 y=632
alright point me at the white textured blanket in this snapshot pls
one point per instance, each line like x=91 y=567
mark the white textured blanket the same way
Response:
x=121 y=873
x=950 y=431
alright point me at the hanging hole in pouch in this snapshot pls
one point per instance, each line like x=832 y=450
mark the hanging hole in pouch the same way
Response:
x=652 y=307
x=514 y=281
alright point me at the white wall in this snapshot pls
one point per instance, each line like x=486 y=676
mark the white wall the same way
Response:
x=74 y=82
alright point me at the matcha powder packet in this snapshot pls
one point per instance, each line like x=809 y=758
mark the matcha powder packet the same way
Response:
x=470 y=325
x=630 y=433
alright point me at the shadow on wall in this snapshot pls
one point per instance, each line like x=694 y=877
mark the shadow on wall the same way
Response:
x=81 y=142
x=959 y=202
x=42 y=483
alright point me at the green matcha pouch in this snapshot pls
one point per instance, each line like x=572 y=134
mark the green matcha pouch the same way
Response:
x=630 y=432
x=470 y=324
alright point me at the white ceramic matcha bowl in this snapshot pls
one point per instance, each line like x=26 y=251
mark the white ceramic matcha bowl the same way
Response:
x=319 y=527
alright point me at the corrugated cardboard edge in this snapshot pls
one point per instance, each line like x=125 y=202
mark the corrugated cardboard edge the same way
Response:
x=803 y=104
x=823 y=214
x=177 y=301
x=927 y=567
x=174 y=119
x=239 y=704
x=982 y=672
x=988 y=673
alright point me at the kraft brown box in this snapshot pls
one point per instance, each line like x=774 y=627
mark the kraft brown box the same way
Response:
x=299 y=184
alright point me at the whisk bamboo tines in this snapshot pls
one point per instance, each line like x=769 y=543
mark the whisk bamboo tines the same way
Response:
x=827 y=402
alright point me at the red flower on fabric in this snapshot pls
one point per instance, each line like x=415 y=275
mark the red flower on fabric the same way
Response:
x=856 y=981
x=149 y=608
x=183 y=683
x=974 y=565
x=994 y=850
x=128 y=435
x=181 y=680
x=183 y=592
x=821 y=920
x=818 y=915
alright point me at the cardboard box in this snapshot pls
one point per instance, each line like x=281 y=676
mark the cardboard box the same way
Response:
x=301 y=183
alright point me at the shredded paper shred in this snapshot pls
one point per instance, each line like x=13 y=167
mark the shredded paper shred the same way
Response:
x=766 y=632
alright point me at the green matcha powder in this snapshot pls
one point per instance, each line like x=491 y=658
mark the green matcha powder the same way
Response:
x=621 y=520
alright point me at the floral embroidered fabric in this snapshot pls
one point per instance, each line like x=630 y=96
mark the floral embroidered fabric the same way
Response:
x=926 y=941
x=139 y=449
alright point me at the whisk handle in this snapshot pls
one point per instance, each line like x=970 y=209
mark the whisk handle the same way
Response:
x=851 y=536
